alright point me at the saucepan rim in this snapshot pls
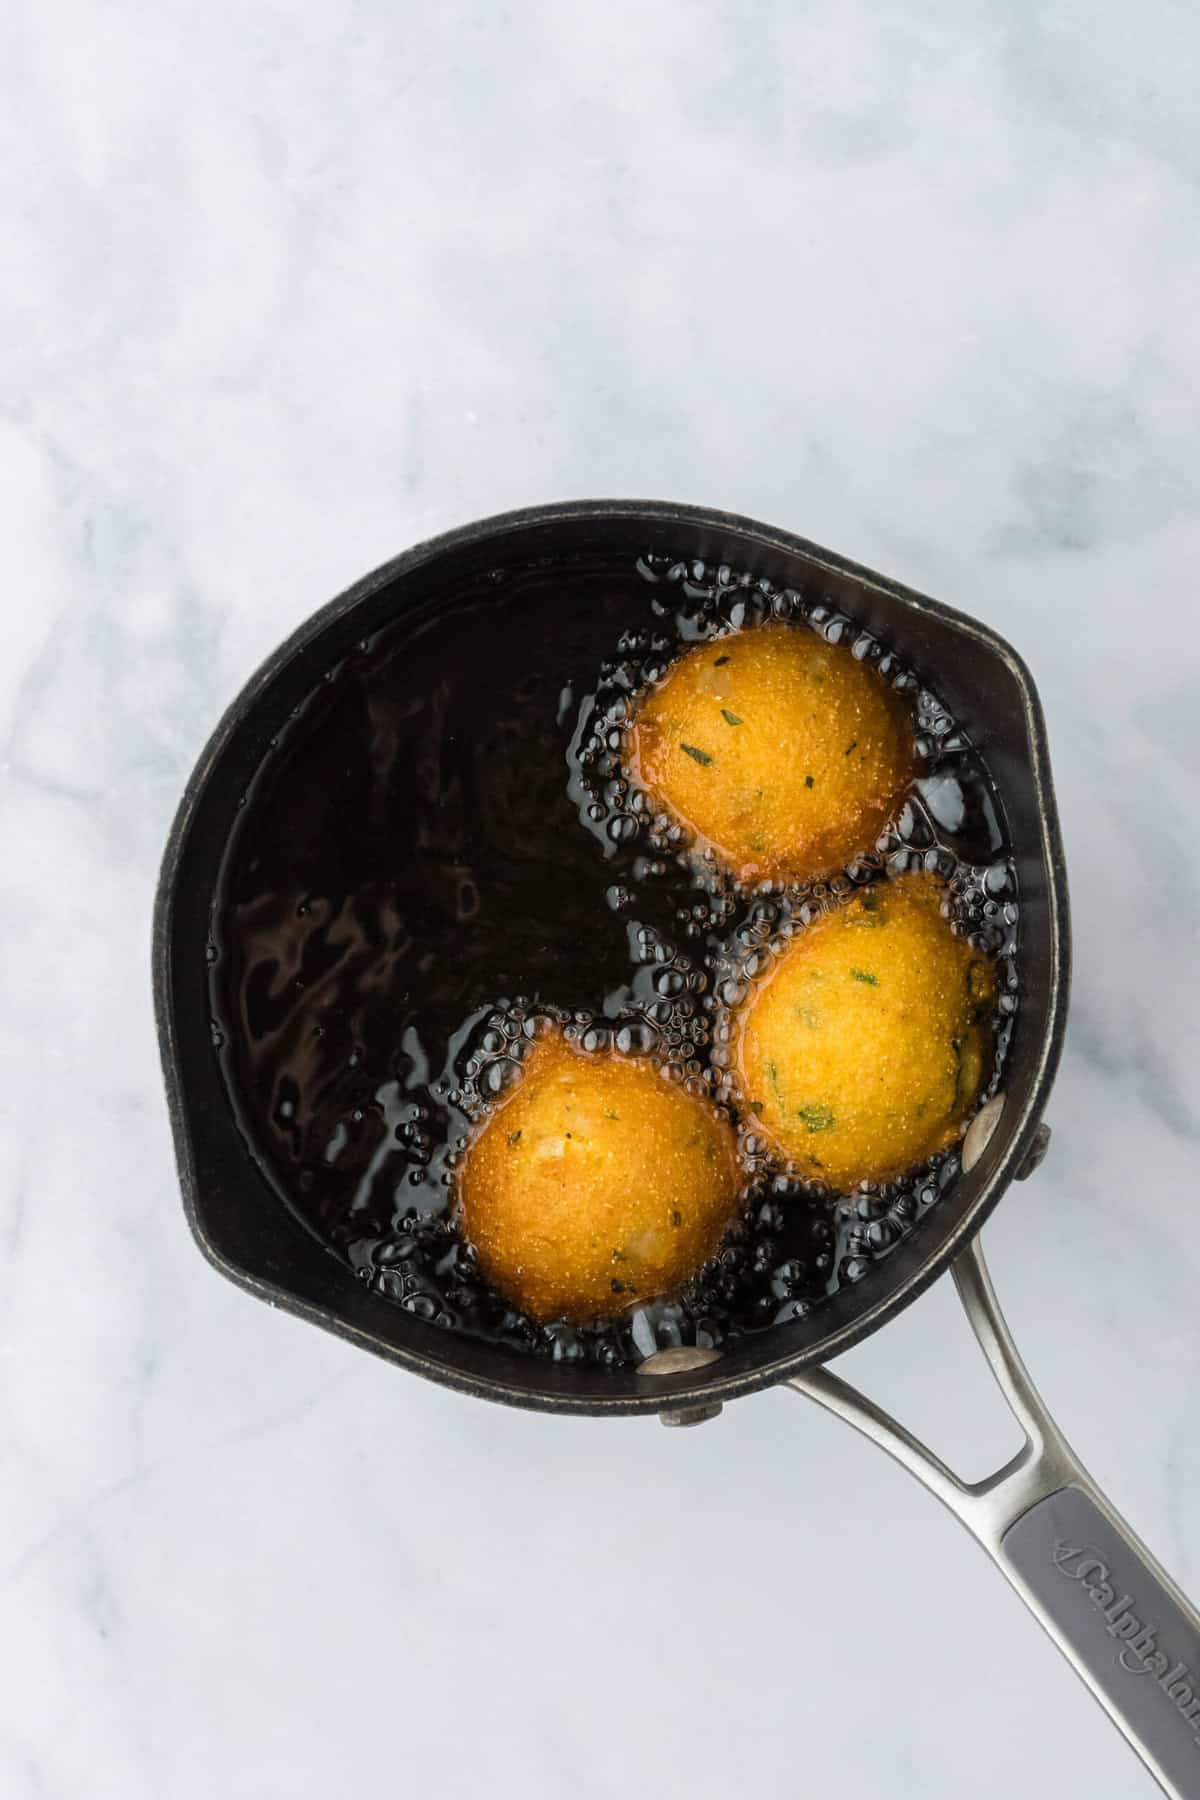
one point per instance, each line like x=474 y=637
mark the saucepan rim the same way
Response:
x=707 y=1385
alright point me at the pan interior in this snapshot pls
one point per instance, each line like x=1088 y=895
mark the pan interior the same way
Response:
x=233 y=1205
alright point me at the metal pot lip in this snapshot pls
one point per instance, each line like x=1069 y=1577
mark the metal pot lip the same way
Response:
x=683 y=1389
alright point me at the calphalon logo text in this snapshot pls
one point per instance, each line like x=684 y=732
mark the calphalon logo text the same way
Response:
x=1138 y=1651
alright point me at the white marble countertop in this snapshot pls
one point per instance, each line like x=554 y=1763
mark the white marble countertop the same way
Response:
x=286 y=289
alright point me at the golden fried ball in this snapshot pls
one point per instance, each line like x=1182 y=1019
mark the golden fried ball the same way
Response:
x=597 y=1182
x=783 y=752
x=865 y=1047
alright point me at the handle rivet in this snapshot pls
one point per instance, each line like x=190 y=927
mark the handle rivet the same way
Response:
x=980 y=1131
x=679 y=1359
x=1037 y=1153
x=691 y=1415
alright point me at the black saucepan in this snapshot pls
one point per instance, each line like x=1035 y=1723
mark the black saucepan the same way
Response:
x=1114 y=1612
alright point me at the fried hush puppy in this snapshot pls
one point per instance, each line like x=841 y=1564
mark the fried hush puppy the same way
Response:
x=782 y=752
x=596 y=1182
x=864 y=1049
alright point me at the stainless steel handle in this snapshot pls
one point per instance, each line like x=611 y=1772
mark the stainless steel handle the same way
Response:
x=1115 y=1614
